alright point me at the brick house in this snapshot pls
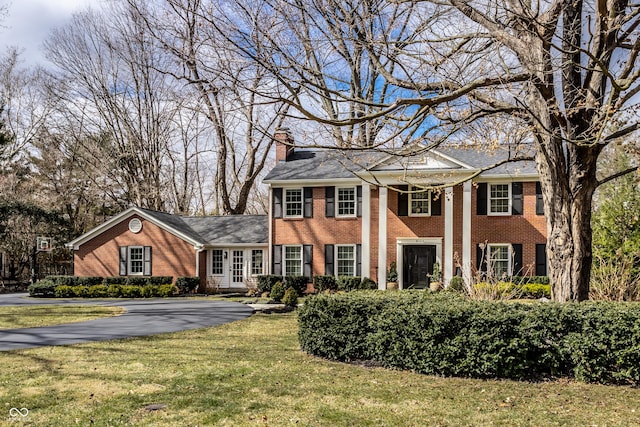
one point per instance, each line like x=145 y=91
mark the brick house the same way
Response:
x=226 y=251
x=356 y=212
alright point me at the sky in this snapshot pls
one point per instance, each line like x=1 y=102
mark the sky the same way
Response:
x=30 y=21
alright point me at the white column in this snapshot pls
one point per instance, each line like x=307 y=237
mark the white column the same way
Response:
x=366 y=231
x=447 y=268
x=466 y=231
x=382 y=238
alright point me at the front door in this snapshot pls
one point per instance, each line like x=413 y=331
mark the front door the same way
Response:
x=237 y=269
x=418 y=263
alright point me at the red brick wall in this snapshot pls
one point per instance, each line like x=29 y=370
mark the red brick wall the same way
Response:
x=171 y=256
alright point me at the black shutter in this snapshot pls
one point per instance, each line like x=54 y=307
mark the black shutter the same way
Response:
x=123 y=260
x=481 y=264
x=541 y=259
x=539 y=200
x=481 y=206
x=329 y=201
x=516 y=198
x=436 y=203
x=359 y=260
x=277 y=202
x=359 y=200
x=147 y=261
x=403 y=200
x=276 y=262
x=329 y=266
x=307 y=259
x=308 y=202
x=517 y=259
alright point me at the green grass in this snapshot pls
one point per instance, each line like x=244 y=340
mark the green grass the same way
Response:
x=252 y=373
x=48 y=315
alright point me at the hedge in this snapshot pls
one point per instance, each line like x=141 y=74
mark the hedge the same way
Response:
x=187 y=284
x=48 y=288
x=448 y=335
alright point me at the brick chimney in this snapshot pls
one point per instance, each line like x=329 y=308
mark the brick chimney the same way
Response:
x=284 y=144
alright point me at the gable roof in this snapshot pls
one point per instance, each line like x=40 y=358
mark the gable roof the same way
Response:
x=328 y=165
x=198 y=231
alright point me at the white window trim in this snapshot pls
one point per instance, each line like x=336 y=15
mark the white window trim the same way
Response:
x=355 y=202
x=284 y=202
x=335 y=257
x=284 y=258
x=510 y=199
x=211 y=263
x=489 y=261
x=411 y=193
x=129 y=261
x=251 y=262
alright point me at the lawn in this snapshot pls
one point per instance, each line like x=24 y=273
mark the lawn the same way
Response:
x=252 y=373
x=48 y=315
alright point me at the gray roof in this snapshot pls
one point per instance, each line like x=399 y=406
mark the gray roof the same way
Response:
x=322 y=164
x=217 y=230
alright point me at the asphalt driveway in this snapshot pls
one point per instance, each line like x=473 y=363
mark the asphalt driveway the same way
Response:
x=143 y=317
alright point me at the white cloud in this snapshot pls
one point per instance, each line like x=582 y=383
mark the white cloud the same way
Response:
x=29 y=22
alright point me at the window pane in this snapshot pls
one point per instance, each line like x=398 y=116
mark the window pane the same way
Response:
x=293 y=202
x=499 y=256
x=346 y=201
x=499 y=198
x=256 y=261
x=293 y=261
x=420 y=202
x=346 y=261
x=135 y=260
x=216 y=262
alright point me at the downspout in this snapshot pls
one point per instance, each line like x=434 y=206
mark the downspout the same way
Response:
x=199 y=249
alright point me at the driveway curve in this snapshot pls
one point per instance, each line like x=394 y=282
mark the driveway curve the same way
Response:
x=142 y=317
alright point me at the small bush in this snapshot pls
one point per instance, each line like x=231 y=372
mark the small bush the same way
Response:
x=165 y=291
x=115 y=280
x=147 y=291
x=137 y=281
x=277 y=292
x=131 y=291
x=89 y=281
x=456 y=284
x=290 y=298
x=368 y=284
x=65 y=291
x=325 y=283
x=63 y=280
x=114 y=291
x=160 y=280
x=266 y=282
x=299 y=283
x=97 y=291
x=187 y=284
x=524 y=280
x=536 y=290
x=44 y=288
x=348 y=283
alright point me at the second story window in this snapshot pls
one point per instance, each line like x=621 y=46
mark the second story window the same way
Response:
x=499 y=199
x=420 y=203
x=293 y=203
x=346 y=201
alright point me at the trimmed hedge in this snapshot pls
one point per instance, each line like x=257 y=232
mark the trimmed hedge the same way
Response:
x=299 y=283
x=96 y=287
x=45 y=288
x=187 y=284
x=446 y=334
x=323 y=283
x=266 y=282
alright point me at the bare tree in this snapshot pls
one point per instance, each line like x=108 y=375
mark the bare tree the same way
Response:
x=226 y=85
x=566 y=71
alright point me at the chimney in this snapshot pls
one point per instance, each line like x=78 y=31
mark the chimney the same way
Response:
x=284 y=144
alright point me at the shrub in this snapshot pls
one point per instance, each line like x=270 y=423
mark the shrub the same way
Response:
x=523 y=280
x=160 y=280
x=324 y=283
x=97 y=291
x=348 y=283
x=290 y=298
x=167 y=290
x=89 y=281
x=299 y=283
x=131 y=291
x=137 y=280
x=44 y=288
x=368 y=284
x=456 y=284
x=536 y=290
x=115 y=280
x=114 y=291
x=266 y=282
x=187 y=284
x=277 y=292
x=63 y=280
x=446 y=334
x=147 y=291
x=64 y=291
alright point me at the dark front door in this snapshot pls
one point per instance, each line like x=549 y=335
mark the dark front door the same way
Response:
x=417 y=266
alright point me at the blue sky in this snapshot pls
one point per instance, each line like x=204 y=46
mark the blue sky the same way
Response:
x=30 y=21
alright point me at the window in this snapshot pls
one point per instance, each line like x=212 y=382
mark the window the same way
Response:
x=293 y=203
x=346 y=260
x=136 y=260
x=420 y=202
x=346 y=201
x=500 y=260
x=217 y=262
x=499 y=199
x=256 y=261
x=293 y=260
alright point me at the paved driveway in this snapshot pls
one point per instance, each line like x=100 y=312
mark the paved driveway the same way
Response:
x=142 y=317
